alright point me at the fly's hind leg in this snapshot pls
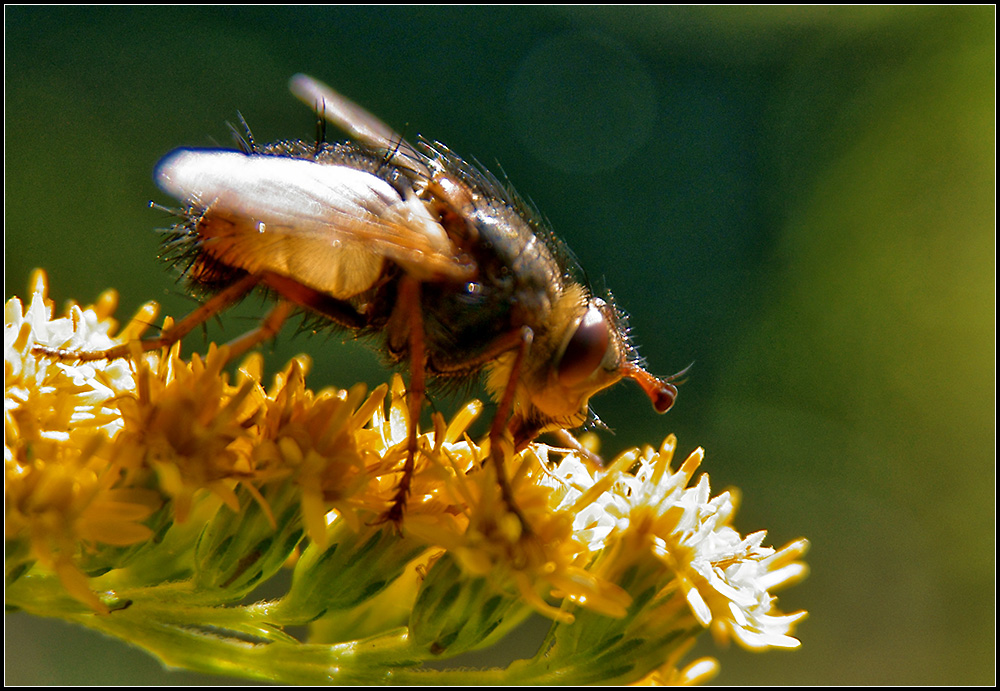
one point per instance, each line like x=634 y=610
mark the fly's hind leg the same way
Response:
x=225 y=298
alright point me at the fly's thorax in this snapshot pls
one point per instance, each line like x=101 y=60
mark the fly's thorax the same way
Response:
x=515 y=254
x=517 y=278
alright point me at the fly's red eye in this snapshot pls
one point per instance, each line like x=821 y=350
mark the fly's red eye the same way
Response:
x=586 y=349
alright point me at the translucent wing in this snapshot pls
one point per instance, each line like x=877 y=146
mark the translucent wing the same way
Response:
x=358 y=122
x=328 y=226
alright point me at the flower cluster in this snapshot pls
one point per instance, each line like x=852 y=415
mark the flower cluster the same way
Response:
x=159 y=489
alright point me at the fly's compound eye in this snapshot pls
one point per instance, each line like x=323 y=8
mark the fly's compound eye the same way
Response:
x=587 y=349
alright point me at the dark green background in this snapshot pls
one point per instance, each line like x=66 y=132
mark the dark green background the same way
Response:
x=799 y=200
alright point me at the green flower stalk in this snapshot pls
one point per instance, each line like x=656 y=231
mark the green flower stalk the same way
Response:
x=150 y=497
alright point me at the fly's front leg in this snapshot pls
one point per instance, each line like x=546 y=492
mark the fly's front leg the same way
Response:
x=500 y=426
x=218 y=302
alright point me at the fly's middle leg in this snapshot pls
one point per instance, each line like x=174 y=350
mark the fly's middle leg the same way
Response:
x=409 y=303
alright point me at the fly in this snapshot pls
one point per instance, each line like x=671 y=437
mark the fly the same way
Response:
x=433 y=256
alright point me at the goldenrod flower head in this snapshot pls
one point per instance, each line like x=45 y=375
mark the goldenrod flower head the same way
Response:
x=62 y=486
x=166 y=484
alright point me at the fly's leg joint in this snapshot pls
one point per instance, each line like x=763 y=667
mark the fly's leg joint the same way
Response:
x=267 y=330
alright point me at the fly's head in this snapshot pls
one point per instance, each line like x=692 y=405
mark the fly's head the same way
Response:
x=586 y=350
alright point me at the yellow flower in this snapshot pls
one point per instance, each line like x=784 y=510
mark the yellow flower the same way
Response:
x=166 y=484
x=63 y=485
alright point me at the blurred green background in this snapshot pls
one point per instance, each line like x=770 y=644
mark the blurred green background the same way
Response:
x=799 y=200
